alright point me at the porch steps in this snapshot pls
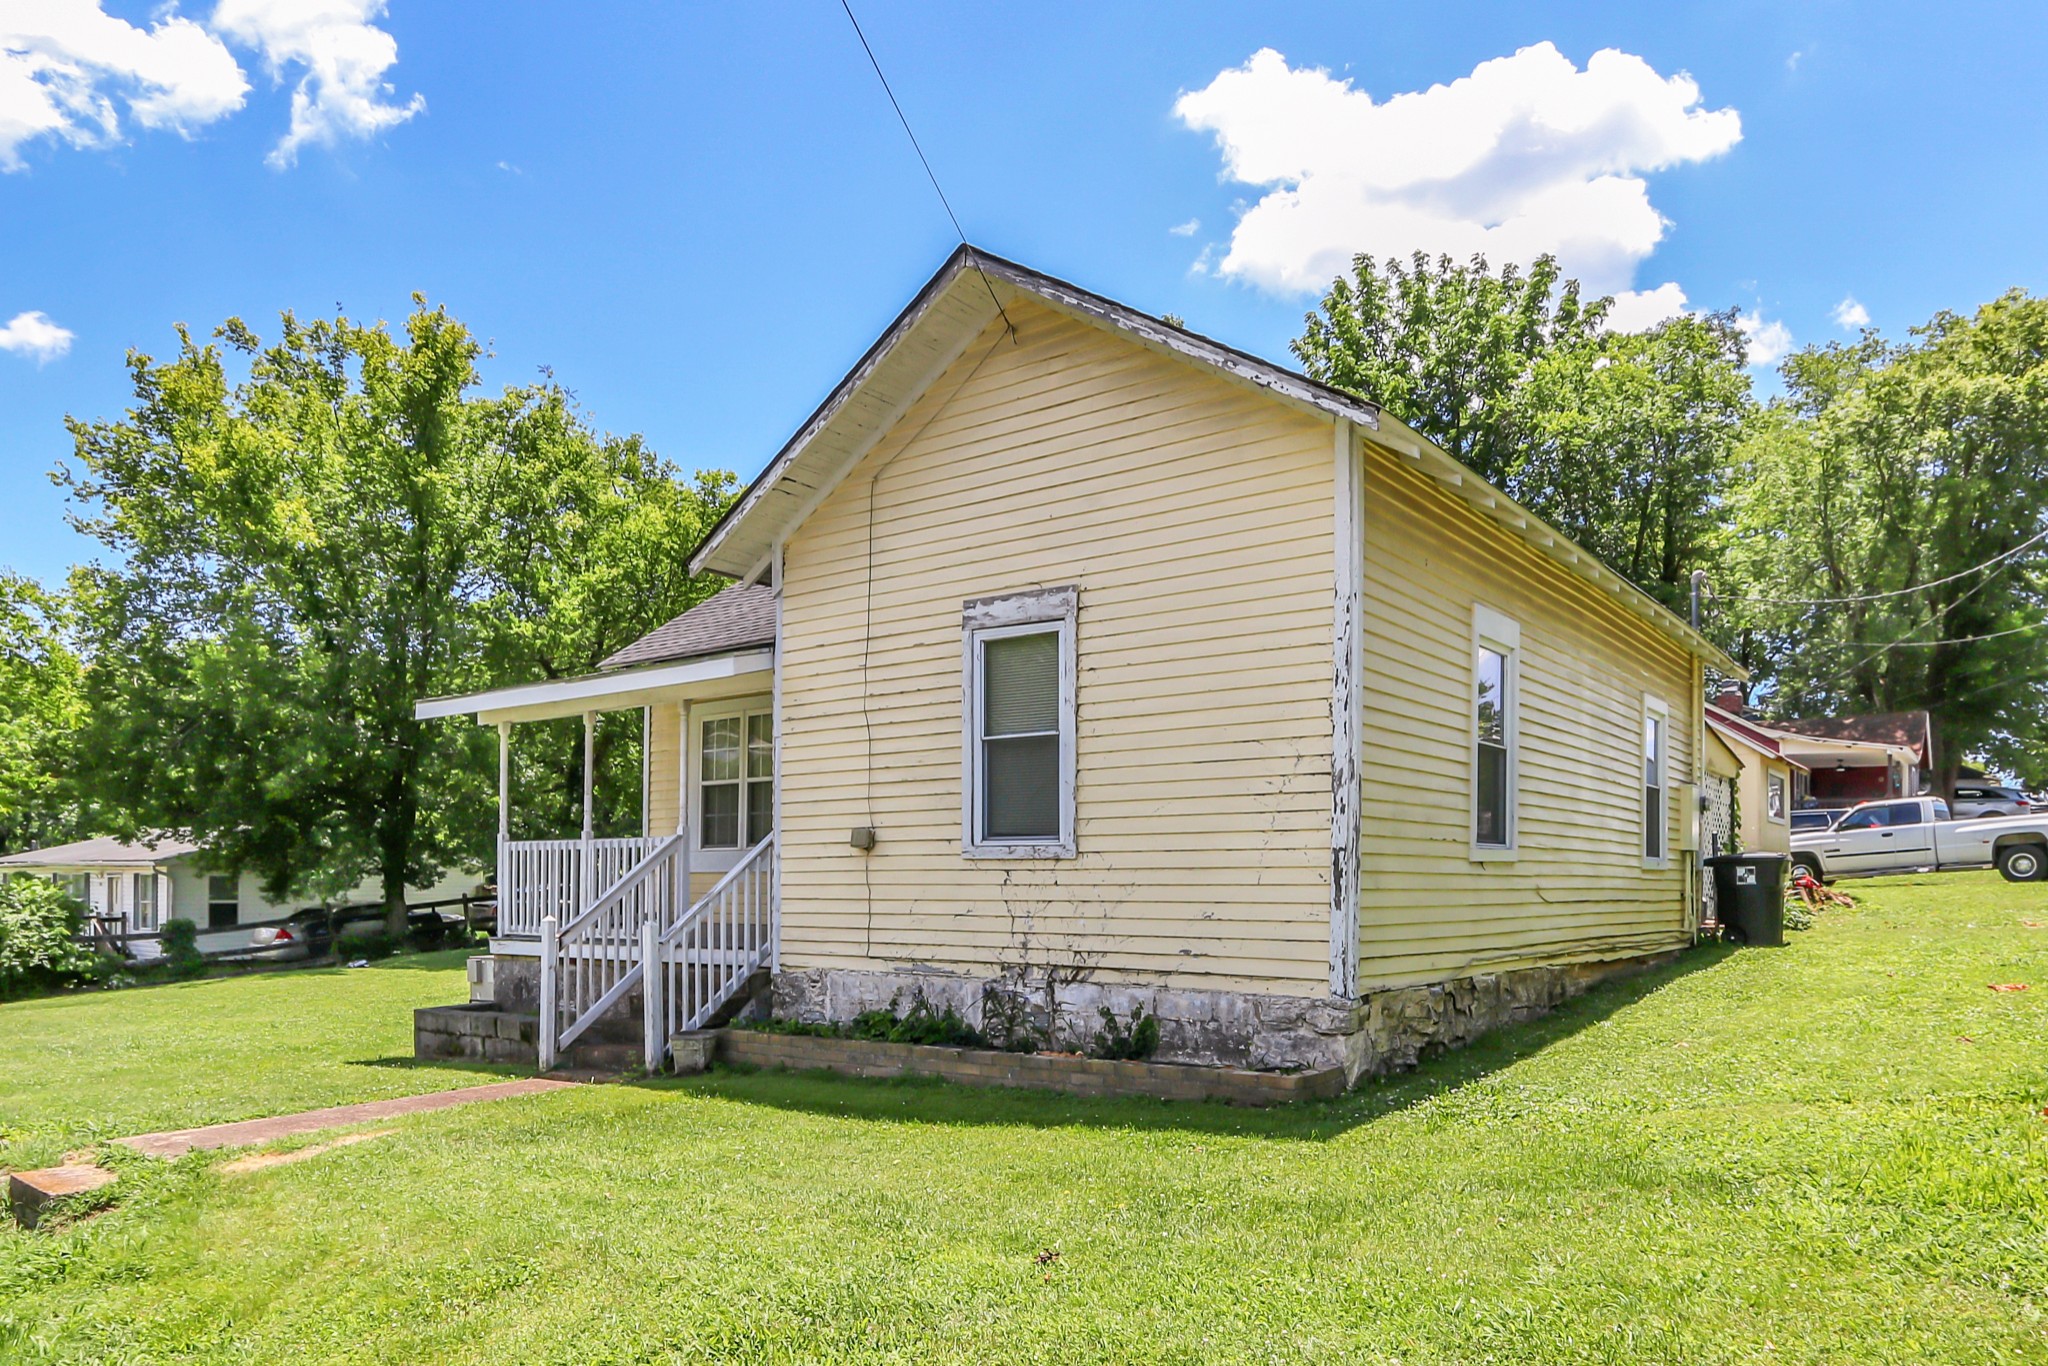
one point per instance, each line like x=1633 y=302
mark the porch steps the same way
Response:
x=484 y=1032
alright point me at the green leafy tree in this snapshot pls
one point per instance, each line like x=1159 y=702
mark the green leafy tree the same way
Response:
x=1621 y=440
x=307 y=551
x=40 y=709
x=1885 y=476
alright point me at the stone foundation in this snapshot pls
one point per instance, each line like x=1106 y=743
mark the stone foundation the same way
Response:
x=479 y=1032
x=515 y=982
x=1381 y=1031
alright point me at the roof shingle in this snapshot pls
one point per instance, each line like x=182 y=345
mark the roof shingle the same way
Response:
x=740 y=617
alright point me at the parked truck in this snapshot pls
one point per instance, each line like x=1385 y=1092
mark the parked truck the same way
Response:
x=1914 y=834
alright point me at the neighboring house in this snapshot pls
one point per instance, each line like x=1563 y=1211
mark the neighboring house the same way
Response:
x=141 y=885
x=1080 y=662
x=1861 y=758
x=1766 y=786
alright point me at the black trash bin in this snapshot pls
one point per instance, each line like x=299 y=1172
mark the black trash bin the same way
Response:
x=1750 y=891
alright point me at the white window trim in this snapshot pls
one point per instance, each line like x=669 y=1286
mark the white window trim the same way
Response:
x=1655 y=706
x=992 y=618
x=1502 y=634
x=718 y=858
x=1784 y=782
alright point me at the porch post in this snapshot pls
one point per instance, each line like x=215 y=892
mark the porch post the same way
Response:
x=586 y=870
x=504 y=821
x=684 y=896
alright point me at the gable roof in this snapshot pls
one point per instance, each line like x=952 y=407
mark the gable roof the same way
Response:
x=110 y=853
x=954 y=308
x=1742 y=732
x=738 y=617
x=1905 y=729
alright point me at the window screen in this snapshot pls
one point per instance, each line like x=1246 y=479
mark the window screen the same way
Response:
x=1490 y=819
x=718 y=808
x=1020 y=736
x=1653 y=787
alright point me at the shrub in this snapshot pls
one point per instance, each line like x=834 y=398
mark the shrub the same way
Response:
x=180 y=943
x=1120 y=1041
x=39 y=945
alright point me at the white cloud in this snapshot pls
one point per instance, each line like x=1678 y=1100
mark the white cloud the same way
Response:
x=1639 y=310
x=1850 y=315
x=33 y=335
x=63 y=63
x=1769 y=342
x=342 y=92
x=1187 y=229
x=66 y=67
x=1526 y=155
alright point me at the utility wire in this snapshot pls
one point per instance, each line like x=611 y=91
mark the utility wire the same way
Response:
x=930 y=174
x=1929 y=644
x=1991 y=563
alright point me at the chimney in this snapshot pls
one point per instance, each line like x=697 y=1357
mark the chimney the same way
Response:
x=1730 y=702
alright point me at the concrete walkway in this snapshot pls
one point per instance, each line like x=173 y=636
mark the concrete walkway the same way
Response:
x=178 y=1142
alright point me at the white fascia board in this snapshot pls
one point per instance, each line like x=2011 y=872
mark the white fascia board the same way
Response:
x=596 y=692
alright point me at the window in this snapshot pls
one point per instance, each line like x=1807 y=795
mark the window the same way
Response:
x=1496 y=702
x=1904 y=813
x=1866 y=818
x=1017 y=725
x=736 y=780
x=77 y=886
x=145 y=902
x=1656 y=740
x=223 y=902
x=1774 y=797
x=1940 y=809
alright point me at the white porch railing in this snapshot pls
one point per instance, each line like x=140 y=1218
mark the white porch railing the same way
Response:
x=707 y=955
x=542 y=878
x=589 y=963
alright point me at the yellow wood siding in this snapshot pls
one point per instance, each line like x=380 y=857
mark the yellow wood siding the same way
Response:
x=664 y=767
x=1577 y=888
x=1195 y=516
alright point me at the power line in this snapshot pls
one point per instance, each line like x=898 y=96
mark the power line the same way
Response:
x=1991 y=563
x=1929 y=644
x=930 y=174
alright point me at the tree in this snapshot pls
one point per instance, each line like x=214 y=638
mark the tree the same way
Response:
x=306 y=553
x=1619 y=439
x=40 y=708
x=1446 y=347
x=1872 y=494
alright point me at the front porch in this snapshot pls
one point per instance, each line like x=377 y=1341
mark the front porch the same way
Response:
x=637 y=938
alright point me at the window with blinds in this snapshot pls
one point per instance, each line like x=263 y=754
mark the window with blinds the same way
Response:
x=1018 y=715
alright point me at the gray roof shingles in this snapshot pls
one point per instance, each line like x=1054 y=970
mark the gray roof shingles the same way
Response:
x=740 y=617
x=110 y=852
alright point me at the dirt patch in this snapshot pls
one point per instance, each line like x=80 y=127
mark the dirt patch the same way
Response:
x=256 y=1162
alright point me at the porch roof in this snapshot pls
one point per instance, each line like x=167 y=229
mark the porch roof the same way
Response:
x=740 y=616
x=732 y=674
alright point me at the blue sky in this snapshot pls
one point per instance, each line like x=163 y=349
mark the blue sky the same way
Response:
x=699 y=216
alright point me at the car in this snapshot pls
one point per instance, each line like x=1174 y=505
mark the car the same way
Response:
x=305 y=933
x=1917 y=834
x=1812 y=820
x=1990 y=799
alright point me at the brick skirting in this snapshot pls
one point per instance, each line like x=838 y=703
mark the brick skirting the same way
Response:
x=1038 y=1071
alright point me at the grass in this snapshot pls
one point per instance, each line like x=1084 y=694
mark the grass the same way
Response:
x=96 y=1065
x=1830 y=1152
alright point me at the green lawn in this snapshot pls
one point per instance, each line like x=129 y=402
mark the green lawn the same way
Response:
x=78 y=1068
x=1830 y=1152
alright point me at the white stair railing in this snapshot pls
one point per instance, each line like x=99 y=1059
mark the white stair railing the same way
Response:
x=709 y=953
x=589 y=964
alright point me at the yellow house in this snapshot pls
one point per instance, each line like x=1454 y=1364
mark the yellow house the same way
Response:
x=1764 y=786
x=1077 y=662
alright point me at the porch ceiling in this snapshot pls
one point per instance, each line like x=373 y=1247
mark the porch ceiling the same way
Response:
x=731 y=675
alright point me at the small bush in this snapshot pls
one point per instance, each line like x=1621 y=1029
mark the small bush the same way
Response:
x=370 y=946
x=180 y=943
x=1126 y=1042
x=39 y=945
x=920 y=1024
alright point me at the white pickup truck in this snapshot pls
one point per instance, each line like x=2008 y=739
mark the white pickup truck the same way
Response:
x=1907 y=834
